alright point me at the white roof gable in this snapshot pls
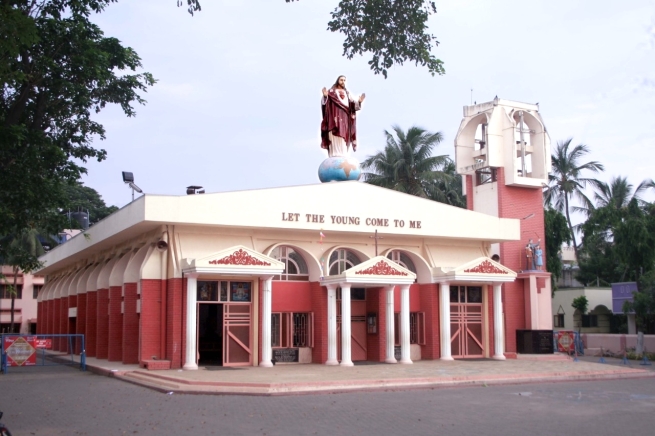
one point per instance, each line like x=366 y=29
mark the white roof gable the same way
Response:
x=235 y=260
x=481 y=269
x=378 y=271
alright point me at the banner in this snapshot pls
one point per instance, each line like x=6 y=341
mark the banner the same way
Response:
x=20 y=350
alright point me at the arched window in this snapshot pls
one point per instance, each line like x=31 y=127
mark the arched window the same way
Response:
x=341 y=260
x=402 y=259
x=295 y=267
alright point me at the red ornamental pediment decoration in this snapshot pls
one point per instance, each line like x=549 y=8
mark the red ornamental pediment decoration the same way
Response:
x=239 y=257
x=486 y=267
x=381 y=269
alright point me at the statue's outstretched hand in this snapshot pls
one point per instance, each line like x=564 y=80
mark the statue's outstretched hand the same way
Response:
x=325 y=92
x=362 y=97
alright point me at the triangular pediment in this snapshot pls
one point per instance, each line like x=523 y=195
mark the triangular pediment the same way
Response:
x=480 y=269
x=374 y=272
x=236 y=259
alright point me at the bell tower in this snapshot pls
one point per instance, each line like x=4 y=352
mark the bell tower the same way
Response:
x=502 y=150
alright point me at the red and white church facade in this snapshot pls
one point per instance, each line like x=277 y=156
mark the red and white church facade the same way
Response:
x=299 y=274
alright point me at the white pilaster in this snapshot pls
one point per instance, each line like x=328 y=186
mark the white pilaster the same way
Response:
x=267 y=351
x=191 y=322
x=391 y=355
x=404 y=324
x=332 y=325
x=444 y=320
x=499 y=337
x=346 y=359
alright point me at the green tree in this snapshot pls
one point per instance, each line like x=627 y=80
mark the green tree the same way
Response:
x=406 y=164
x=566 y=181
x=448 y=187
x=618 y=242
x=84 y=198
x=391 y=31
x=57 y=69
x=643 y=303
x=22 y=251
x=557 y=233
x=581 y=304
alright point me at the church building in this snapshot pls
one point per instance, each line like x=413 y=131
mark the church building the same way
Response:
x=331 y=273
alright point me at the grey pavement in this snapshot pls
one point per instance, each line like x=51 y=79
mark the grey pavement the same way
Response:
x=315 y=378
x=61 y=400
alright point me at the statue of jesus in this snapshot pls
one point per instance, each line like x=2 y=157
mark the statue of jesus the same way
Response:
x=338 y=128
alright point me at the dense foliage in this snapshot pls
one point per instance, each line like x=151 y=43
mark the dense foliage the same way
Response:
x=557 y=233
x=57 y=69
x=84 y=198
x=407 y=165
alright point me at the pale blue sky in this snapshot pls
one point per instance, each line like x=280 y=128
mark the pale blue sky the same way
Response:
x=237 y=102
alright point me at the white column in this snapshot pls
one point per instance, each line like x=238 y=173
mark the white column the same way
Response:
x=267 y=351
x=332 y=325
x=444 y=320
x=191 y=322
x=346 y=359
x=391 y=355
x=404 y=324
x=499 y=337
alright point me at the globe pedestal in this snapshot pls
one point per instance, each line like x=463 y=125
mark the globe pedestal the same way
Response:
x=339 y=169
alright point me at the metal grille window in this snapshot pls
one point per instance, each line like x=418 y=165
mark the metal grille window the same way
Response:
x=416 y=328
x=35 y=291
x=402 y=259
x=341 y=260
x=292 y=330
x=5 y=291
x=589 y=320
x=295 y=267
x=558 y=320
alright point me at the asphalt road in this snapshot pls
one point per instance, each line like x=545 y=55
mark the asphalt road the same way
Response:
x=62 y=400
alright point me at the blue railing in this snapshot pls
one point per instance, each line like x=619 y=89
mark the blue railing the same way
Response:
x=19 y=350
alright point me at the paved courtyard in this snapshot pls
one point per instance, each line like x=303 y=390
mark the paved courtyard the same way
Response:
x=62 y=400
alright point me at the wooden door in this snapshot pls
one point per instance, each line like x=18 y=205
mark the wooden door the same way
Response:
x=236 y=335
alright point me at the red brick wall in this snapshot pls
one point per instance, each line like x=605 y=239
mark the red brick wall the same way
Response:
x=291 y=297
x=319 y=307
x=91 y=323
x=515 y=202
x=52 y=310
x=80 y=323
x=115 y=348
x=40 y=318
x=376 y=299
x=56 y=328
x=102 y=336
x=151 y=320
x=174 y=315
x=429 y=294
x=130 y=338
x=469 y=192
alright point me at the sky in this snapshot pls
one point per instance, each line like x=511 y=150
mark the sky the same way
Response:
x=237 y=102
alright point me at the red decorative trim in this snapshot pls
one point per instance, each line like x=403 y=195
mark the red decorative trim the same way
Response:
x=381 y=269
x=486 y=267
x=239 y=257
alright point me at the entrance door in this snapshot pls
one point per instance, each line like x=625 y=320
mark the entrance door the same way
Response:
x=236 y=340
x=210 y=334
x=358 y=347
x=466 y=321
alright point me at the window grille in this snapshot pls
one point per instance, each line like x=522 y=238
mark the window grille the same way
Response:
x=292 y=330
x=558 y=320
x=416 y=328
x=295 y=267
x=5 y=291
x=35 y=291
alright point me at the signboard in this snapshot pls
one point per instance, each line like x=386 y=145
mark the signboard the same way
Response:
x=565 y=341
x=285 y=355
x=43 y=343
x=622 y=292
x=20 y=350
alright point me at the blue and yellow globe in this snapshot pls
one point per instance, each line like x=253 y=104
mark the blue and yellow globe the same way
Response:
x=339 y=169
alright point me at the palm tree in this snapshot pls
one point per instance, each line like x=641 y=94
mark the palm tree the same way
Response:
x=618 y=193
x=407 y=164
x=448 y=189
x=566 y=181
x=23 y=250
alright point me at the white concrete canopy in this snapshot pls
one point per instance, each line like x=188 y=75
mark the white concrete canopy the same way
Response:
x=237 y=260
x=480 y=270
x=378 y=271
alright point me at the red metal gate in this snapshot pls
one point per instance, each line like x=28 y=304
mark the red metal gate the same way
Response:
x=236 y=335
x=466 y=330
